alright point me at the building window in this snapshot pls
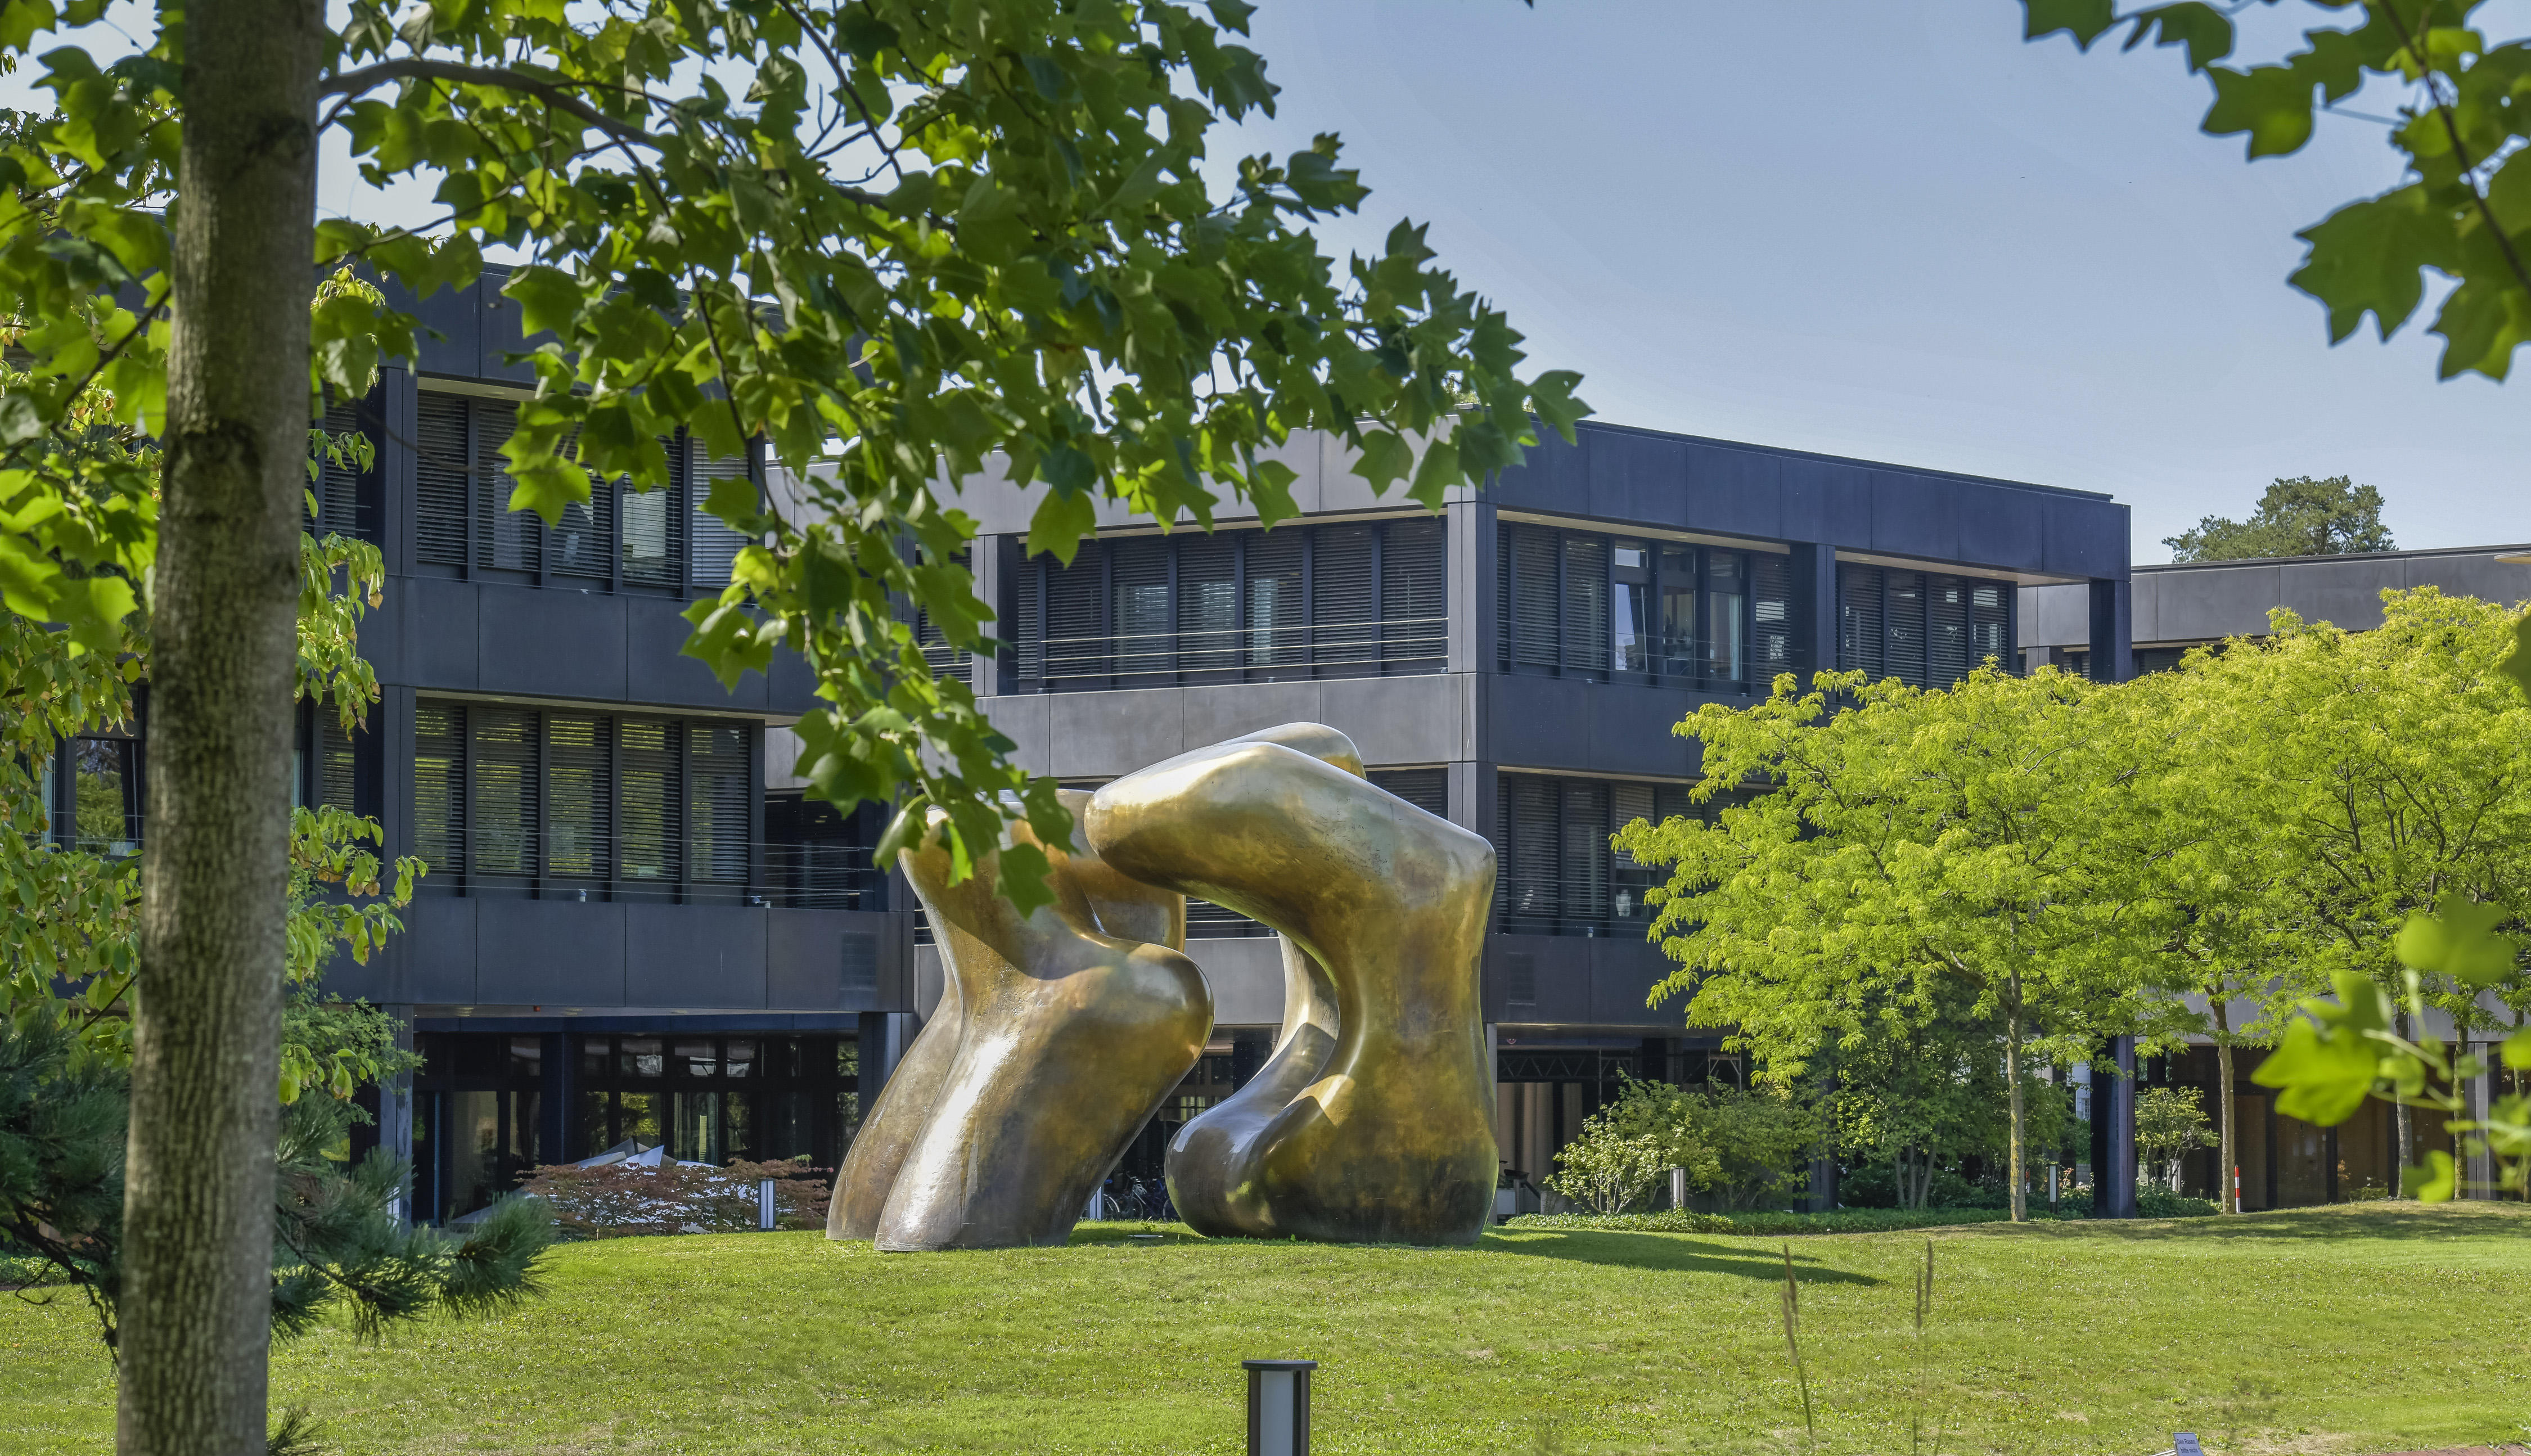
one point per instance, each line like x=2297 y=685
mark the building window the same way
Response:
x=817 y=858
x=1555 y=873
x=347 y=497
x=1922 y=628
x=621 y=536
x=94 y=797
x=1633 y=609
x=568 y=805
x=1361 y=600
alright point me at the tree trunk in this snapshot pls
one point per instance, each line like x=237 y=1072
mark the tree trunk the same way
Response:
x=198 y=1249
x=2228 y=1146
x=2012 y=1076
x=2404 y=1128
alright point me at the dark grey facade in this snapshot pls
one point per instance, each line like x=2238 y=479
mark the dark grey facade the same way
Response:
x=636 y=927
x=1522 y=661
x=2181 y=605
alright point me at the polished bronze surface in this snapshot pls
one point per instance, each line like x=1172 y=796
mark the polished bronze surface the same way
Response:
x=1071 y=1029
x=1393 y=1140
x=1203 y=1154
x=891 y=1123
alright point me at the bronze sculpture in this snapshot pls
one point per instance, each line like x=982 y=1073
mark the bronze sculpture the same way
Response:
x=1058 y=1035
x=1059 y=1032
x=1392 y=1139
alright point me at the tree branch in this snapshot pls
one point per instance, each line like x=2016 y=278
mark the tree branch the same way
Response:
x=554 y=94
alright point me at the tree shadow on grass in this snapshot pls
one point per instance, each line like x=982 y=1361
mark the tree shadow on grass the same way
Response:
x=2379 y=1219
x=1672 y=1251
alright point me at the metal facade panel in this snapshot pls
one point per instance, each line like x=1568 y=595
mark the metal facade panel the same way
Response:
x=695 y=955
x=554 y=643
x=439 y=950
x=1559 y=974
x=548 y=953
x=1743 y=492
x=2082 y=537
x=2196 y=606
x=2001 y=528
x=2346 y=593
x=437 y=620
x=1630 y=729
x=1542 y=722
x=656 y=669
x=1637 y=476
x=1623 y=972
x=1913 y=515
x=806 y=959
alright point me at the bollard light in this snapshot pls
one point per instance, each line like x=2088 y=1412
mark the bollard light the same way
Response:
x=764 y=1203
x=1278 y=1407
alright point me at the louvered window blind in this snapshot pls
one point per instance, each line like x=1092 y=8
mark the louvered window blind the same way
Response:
x=439 y=788
x=1558 y=872
x=1209 y=606
x=502 y=773
x=716 y=545
x=1337 y=600
x=337 y=762
x=1582 y=604
x=1414 y=602
x=1924 y=629
x=443 y=472
x=635 y=807
x=716 y=805
x=646 y=800
x=945 y=660
x=340 y=509
x=1428 y=788
x=580 y=807
x=1344 y=600
x=660 y=537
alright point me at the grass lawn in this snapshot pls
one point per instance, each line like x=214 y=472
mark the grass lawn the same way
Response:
x=2365 y=1328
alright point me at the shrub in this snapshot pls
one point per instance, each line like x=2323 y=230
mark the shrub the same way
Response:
x=620 y=1198
x=1682 y=1221
x=1607 y=1169
x=2159 y=1202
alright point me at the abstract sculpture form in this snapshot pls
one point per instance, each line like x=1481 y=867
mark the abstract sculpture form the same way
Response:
x=1057 y=1036
x=1059 y=1032
x=1391 y=1138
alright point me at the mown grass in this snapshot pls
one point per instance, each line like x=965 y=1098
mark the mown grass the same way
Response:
x=2356 y=1329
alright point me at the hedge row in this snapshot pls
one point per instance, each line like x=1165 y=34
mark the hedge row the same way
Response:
x=1842 y=1221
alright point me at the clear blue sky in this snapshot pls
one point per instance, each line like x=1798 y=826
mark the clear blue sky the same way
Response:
x=1887 y=230
x=1895 y=231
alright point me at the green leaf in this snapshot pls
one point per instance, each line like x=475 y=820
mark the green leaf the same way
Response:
x=549 y=299
x=2519 y=659
x=2434 y=1183
x=2369 y=258
x=2458 y=940
x=1436 y=475
x=2319 y=1078
x=1386 y=459
x=2084 y=20
x=2203 y=30
x=2273 y=104
x=1061 y=520
x=2516 y=1050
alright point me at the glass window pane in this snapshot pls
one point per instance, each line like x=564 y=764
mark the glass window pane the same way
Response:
x=694 y=1127
x=1632 y=613
x=103 y=817
x=637 y=1116
x=1678 y=651
x=596 y=1053
x=741 y=1058
x=640 y=1056
x=1725 y=583
x=694 y=1059
x=595 y=1134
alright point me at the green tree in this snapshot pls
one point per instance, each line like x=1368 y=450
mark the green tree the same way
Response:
x=891 y=238
x=2300 y=517
x=2170 y=1124
x=2457 y=212
x=1921 y=1092
x=1608 y=1168
x=1911 y=845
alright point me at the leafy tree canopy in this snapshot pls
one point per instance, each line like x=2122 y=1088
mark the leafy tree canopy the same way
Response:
x=2299 y=516
x=2463 y=208
x=895 y=238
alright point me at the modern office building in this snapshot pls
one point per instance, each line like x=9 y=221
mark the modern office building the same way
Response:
x=635 y=925
x=2283 y=1161
x=1516 y=664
